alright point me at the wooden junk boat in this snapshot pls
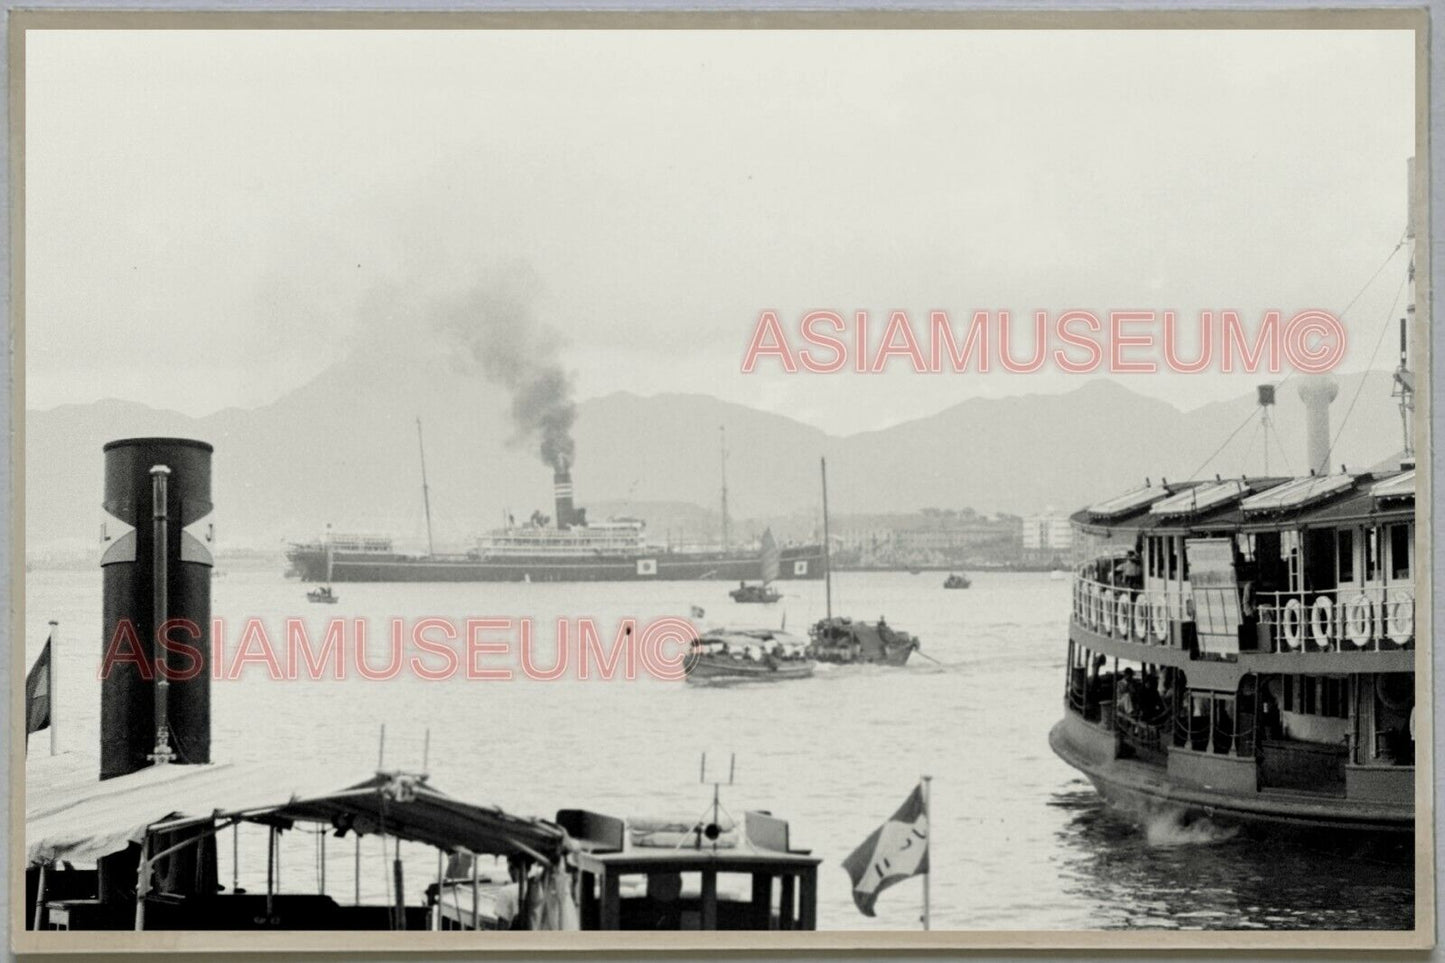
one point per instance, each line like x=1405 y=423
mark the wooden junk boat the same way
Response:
x=762 y=592
x=840 y=640
x=956 y=581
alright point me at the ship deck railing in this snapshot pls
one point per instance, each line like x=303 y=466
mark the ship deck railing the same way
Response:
x=1374 y=618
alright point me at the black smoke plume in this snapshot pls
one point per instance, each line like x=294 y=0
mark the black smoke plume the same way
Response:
x=494 y=327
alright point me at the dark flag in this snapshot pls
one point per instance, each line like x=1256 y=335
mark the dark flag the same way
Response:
x=893 y=852
x=697 y=612
x=37 y=693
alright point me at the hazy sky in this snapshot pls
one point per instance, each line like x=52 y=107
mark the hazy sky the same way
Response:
x=215 y=217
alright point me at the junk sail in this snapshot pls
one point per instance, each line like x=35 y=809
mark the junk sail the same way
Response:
x=771 y=557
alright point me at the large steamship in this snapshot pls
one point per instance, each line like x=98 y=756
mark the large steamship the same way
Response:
x=571 y=549
x=1245 y=648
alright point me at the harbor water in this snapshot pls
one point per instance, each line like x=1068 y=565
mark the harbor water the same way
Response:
x=1019 y=840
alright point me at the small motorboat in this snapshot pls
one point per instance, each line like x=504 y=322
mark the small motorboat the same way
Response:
x=956 y=581
x=323 y=595
x=761 y=592
x=747 y=655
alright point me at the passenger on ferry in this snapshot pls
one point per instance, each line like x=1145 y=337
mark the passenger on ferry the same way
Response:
x=1127 y=700
x=1128 y=573
x=1151 y=704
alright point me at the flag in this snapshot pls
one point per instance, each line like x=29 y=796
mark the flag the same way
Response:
x=893 y=852
x=697 y=612
x=37 y=693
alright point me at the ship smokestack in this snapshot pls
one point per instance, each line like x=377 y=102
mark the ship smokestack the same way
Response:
x=1317 y=391
x=156 y=570
x=562 y=490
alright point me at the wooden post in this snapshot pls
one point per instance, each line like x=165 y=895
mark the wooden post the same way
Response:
x=787 y=900
x=763 y=901
x=40 y=882
x=709 y=900
x=399 y=880
x=142 y=880
x=441 y=878
x=476 y=895
x=808 y=893
x=611 y=902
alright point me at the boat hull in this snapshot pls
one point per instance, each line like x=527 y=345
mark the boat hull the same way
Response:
x=1145 y=791
x=802 y=563
x=736 y=670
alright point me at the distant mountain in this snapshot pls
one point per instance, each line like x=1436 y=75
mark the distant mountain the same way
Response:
x=343 y=449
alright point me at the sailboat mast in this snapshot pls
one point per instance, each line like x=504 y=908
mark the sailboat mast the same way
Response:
x=723 y=437
x=827 y=547
x=425 y=490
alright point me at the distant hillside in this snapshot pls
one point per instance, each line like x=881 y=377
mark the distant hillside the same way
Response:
x=343 y=449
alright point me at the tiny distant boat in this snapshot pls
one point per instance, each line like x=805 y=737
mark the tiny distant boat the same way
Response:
x=763 y=592
x=1057 y=575
x=324 y=594
x=747 y=655
x=956 y=581
x=913 y=570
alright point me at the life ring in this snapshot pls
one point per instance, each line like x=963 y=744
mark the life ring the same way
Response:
x=1396 y=690
x=1123 y=614
x=1400 y=620
x=1141 y=617
x=1359 y=624
x=1159 y=619
x=1249 y=603
x=1322 y=622
x=1291 y=623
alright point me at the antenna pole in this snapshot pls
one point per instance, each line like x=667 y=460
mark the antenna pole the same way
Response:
x=425 y=490
x=723 y=437
x=827 y=546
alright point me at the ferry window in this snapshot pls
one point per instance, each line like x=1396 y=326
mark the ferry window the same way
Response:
x=1334 y=694
x=1372 y=554
x=1244 y=546
x=1172 y=570
x=1200 y=715
x=1223 y=723
x=1399 y=551
x=1345 y=550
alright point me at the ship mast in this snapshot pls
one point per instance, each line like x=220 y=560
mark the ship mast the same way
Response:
x=1404 y=377
x=723 y=439
x=827 y=546
x=425 y=490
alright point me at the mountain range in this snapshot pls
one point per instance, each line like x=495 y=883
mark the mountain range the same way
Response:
x=343 y=449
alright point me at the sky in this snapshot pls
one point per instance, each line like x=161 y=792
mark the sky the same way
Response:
x=215 y=217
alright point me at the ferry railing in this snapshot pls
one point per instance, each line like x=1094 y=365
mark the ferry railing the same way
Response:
x=1123 y=612
x=1350 y=619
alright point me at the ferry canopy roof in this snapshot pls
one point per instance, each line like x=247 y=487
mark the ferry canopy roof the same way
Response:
x=1400 y=486
x=1298 y=494
x=73 y=817
x=1201 y=498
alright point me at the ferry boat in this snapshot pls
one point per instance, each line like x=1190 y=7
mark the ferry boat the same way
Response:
x=1245 y=649
x=569 y=549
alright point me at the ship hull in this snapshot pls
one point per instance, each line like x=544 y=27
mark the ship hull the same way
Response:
x=734 y=670
x=1141 y=791
x=800 y=563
